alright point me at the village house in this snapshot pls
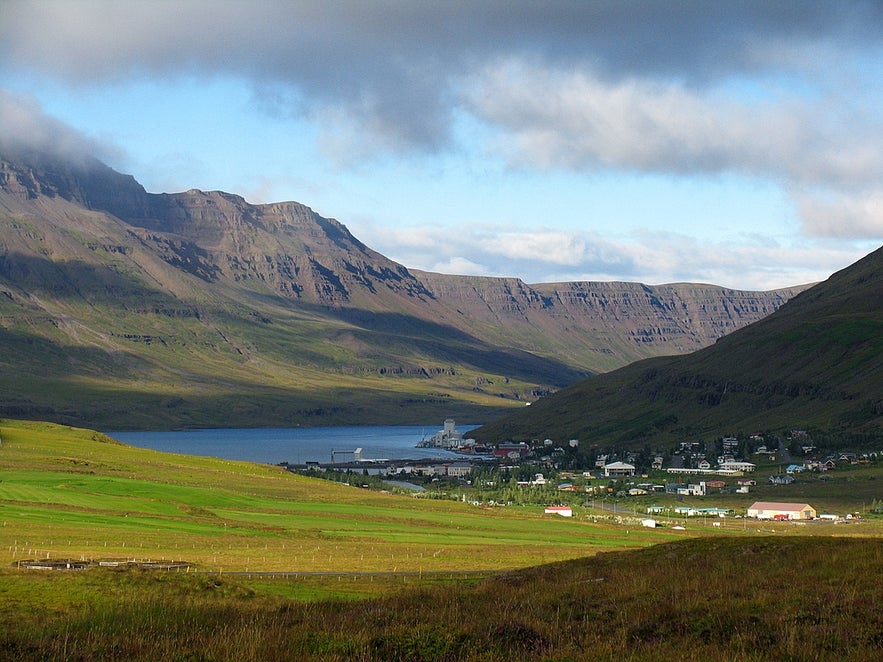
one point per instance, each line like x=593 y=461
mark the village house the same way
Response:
x=746 y=467
x=781 y=479
x=511 y=451
x=458 y=469
x=538 y=480
x=619 y=469
x=714 y=512
x=693 y=489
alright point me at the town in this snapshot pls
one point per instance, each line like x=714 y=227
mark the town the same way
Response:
x=750 y=476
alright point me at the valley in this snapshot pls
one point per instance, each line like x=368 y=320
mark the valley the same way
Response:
x=125 y=309
x=632 y=249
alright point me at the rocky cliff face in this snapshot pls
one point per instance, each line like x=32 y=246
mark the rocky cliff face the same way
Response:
x=616 y=322
x=277 y=288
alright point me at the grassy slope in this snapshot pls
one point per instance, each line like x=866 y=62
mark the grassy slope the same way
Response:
x=156 y=370
x=773 y=598
x=103 y=330
x=72 y=493
x=816 y=364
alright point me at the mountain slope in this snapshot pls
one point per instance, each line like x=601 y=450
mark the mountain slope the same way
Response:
x=122 y=308
x=816 y=363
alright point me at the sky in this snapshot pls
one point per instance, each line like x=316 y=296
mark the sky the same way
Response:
x=733 y=143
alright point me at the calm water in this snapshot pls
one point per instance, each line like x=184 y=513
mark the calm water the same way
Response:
x=294 y=445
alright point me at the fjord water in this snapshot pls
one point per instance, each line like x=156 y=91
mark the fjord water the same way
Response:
x=295 y=445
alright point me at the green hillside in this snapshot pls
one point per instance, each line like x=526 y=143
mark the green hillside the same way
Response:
x=72 y=493
x=752 y=599
x=816 y=364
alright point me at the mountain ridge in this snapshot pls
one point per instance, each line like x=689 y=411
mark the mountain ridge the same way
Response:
x=188 y=289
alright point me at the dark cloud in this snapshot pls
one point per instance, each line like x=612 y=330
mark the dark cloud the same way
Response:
x=783 y=90
x=393 y=66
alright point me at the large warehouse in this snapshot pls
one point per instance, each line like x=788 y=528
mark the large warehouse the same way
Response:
x=775 y=510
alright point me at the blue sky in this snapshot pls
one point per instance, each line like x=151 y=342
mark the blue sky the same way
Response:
x=734 y=143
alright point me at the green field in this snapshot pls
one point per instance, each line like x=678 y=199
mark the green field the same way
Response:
x=282 y=567
x=72 y=493
x=726 y=598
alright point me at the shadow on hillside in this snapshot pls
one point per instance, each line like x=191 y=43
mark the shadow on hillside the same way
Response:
x=76 y=279
x=446 y=343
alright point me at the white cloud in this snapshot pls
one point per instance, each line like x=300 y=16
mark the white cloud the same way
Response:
x=551 y=247
x=25 y=130
x=837 y=215
x=652 y=257
x=459 y=266
x=575 y=119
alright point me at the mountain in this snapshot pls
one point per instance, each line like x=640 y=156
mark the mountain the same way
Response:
x=816 y=364
x=121 y=308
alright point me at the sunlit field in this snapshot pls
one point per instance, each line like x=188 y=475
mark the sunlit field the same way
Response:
x=251 y=562
x=74 y=494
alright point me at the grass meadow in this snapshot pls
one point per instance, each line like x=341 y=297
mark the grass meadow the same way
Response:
x=726 y=598
x=76 y=494
x=286 y=567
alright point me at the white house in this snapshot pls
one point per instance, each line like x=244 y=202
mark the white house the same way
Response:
x=458 y=469
x=747 y=467
x=693 y=489
x=619 y=469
